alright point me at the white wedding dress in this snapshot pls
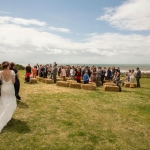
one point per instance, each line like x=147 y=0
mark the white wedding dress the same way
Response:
x=7 y=100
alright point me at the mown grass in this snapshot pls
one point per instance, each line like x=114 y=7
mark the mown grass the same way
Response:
x=50 y=117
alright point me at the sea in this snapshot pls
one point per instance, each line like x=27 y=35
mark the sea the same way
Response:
x=145 y=68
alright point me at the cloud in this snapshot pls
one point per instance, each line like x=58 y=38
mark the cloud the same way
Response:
x=131 y=15
x=26 y=44
x=59 y=29
x=21 y=21
x=4 y=12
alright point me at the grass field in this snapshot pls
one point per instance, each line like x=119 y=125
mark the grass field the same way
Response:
x=50 y=117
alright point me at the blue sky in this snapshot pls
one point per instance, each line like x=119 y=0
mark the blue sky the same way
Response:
x=80 y=31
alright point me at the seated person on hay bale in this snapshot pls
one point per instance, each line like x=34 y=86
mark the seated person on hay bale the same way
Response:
x=117 y=79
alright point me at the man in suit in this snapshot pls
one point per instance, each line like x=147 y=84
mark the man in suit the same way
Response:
x=55 y=70
x=138 y=76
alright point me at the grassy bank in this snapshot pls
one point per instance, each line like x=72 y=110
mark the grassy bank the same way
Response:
x=50 y=117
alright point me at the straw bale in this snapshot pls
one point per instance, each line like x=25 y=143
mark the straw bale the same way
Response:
x=33 y=80
x=75 y=85
x=82 y=81
x=67 y=78
x=111 y=88
x=62 y=83
x=110 y=83
x=40 y=79
x=132 y=85
x=127 y=84
x=48 y=81
x=44 y=80
x=37 y=77
x=59 y=79
x=88 y=87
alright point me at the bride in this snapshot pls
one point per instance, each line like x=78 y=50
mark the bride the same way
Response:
x=7 y=99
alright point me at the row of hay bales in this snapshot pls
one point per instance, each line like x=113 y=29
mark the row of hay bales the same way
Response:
x=74 y=84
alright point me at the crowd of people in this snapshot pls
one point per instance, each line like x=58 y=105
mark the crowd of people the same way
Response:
x=10 y=84
x=87 y=73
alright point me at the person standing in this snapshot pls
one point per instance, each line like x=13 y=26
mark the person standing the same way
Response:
x=86 y=77
x=34 y=71
x=132 y=76
x=8 y=99
x=98 y=76
x=63 y=73
x=138 y=76
x=17 y=83
x=55 y=72
x=28 y=70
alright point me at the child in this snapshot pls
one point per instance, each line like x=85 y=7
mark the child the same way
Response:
x=86 y=78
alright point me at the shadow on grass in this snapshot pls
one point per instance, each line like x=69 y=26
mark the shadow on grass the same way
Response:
x=16 y=125
x=21 y=104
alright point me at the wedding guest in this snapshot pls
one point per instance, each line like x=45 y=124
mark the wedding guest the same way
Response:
x=37 y=69
x=93 y=75
x=117 y=79
x=103 y=75
x=28 y=73
x=78 y=75
x=109 y=74
x=98 y=76
x=34 y=71
x=55 y=70
x=132 y=76
x=86 y=77
x=17 y=82
x=138 y=76
x=129 y=74
x=63 y=73
x=72 y=73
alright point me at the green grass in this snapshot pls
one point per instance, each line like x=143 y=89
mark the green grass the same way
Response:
x=50 y=117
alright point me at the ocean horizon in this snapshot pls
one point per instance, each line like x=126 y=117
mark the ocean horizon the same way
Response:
x=145 y=68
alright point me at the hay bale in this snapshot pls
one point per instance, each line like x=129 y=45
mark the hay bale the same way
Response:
x=33 y=80
x=127 y=84
x=67 y=78
x=82 y=81
x=88 y=87
x=40 y=79
x=75 y=85
x=111 y=88
x=110 y=83
x=44 y=80
x=132 y=85
x=62 y=83
x=59 y=79
x=48 y=81
x=37 y=77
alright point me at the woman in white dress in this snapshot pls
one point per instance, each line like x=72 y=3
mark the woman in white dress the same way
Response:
x=7 y=100
x=132 y=76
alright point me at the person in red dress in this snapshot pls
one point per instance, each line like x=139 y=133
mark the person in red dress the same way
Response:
x=34 y=71
x=78 y=75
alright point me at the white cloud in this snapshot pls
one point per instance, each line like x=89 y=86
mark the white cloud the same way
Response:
x=21 y=21
x=4 y=12
x=131 y=15
x=59 y=29
x=30 y=45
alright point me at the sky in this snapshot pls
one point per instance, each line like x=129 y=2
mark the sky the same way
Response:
x=75 y=31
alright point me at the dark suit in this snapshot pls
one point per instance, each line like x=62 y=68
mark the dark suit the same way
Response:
x=138 y=76
x=55 y=70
